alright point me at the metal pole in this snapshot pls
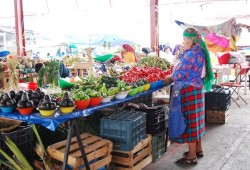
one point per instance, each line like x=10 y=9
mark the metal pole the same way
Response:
x=154 y=26
x=4 y=41
x=19 y=25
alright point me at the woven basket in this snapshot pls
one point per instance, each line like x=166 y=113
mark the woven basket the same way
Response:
x=8 y=124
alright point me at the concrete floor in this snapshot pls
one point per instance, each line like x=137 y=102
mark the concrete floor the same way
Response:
x=226 y=147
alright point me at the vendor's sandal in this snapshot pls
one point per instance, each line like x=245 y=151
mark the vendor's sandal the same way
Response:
x=185 y=161
x=198 y=154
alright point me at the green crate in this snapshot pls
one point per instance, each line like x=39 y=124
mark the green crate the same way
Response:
x=158 y=146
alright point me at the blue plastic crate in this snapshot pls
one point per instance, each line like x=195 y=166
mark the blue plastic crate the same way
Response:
x=124 y=129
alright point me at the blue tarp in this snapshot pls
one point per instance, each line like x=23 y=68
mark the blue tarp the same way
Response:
x=53 y=121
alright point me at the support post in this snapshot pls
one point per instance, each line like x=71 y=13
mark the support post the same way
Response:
x=19 y=25
x=154 y=32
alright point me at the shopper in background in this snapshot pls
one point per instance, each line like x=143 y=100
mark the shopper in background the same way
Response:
x=59 y=53
x=128 y=54
x=187 y=105
x=166 y=53
x=177 y=52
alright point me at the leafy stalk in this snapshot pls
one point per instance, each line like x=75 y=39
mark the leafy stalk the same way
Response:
x=12 y=161
x=39 y=139
x=20 y=157
x=7 y=164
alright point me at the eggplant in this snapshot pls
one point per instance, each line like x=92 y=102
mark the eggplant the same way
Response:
x=44 y=106
x=35 y=95
x=53 y=106
x=66 y=96
x=19 y=94
x=6 y=96
x=14 y=100
x=70 y=103
x=10 y=103
x=30 y=91
x=1 y=97
x=38 y=90
x=42 y=95
x=25 y=97
x=12 y=93
x=29 y=104
x=35 y=101
x=21 y=104
x=3 y=103
x=47 y=99
x=63 y=103
x=4 y=100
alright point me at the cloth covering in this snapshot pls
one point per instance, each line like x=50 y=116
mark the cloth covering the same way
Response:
x=193 y=110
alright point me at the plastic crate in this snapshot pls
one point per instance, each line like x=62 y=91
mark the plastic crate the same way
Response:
x=218 y=99
x=146 y=99
x=124 y=129
x=159 y=146
x=22 y=136
x=156 y=119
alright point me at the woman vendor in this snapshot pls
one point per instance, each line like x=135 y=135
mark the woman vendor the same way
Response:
x=191 y=76
x=128 y=54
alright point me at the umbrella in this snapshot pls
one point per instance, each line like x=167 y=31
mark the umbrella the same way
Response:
x=218 y=38
x=4 y=53
x=72 y=46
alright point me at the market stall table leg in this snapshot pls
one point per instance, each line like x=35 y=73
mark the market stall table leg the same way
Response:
x=74 y=129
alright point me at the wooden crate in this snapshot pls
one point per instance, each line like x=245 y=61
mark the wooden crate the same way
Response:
x=98 y=151
x=213 y=116
x=136 y=159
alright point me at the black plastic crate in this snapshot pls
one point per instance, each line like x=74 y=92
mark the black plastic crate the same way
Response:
x=218 y=99
x=125 y=129
x=156 y=119
x=22 y=136
x=146 y=99
x=155 y=129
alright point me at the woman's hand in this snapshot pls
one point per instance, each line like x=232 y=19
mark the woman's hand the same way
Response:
x=168 y=79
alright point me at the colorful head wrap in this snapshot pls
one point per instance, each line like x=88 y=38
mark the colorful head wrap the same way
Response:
x=209 y=78
x=127 y=47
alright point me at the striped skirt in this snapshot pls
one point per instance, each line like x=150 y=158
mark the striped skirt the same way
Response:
x=193 y=110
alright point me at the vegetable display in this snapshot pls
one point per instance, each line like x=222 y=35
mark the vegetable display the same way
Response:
x=154 y=61
x=47 y=104
x=109 y=81
x=7 y=101
x=66 y=101
x=24 y=102
x=151 y=74
x=79 y=95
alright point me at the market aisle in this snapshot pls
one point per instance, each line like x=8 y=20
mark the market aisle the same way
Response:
x=226 y=147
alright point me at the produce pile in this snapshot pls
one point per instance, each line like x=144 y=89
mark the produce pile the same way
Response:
x=27 y=64
x=153 y=61
x=151 y=74
x=68 y=61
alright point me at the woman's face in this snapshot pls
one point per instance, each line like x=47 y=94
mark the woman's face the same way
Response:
x=187 y=43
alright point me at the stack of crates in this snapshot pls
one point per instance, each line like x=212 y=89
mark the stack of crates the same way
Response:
x=156 y=126
x=125 y=129
x=217 y=104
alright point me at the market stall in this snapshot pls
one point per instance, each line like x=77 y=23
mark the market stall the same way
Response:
x=65 y=101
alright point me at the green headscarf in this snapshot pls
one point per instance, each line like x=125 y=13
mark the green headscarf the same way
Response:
x=209 y=78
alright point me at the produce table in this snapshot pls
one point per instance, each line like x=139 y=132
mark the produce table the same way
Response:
x=52 y=122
